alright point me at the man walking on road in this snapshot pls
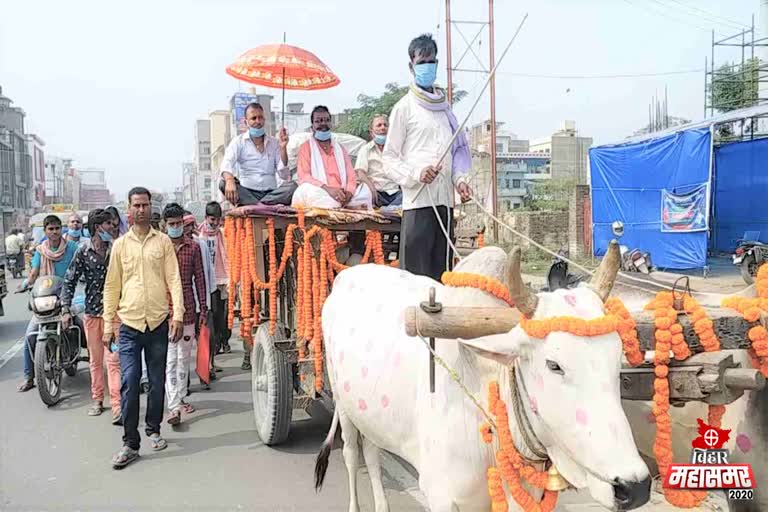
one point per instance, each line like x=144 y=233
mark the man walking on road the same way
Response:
x=190 y=261
x=52 y=257
x=211 y=234
x=420 y=127
x=90 y=262
x=142 y=270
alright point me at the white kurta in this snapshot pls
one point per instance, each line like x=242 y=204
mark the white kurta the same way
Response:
x=416 y=139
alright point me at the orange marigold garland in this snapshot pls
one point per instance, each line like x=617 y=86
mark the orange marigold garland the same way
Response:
x=540 y=329
x=317 y=337
x=229 y=237
x=511 y=465
x=702 y=325
x=272 y=277
x=487 y=284
x=627 y=329
x=496 y=491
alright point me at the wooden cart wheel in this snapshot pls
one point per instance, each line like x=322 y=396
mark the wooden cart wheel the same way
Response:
x=272 y=388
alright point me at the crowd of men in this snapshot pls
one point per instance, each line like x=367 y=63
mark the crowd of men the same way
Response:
x=152 y=292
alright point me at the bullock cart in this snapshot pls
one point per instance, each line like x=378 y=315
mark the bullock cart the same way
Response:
x=282 y=324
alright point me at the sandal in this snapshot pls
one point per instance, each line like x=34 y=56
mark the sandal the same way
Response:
x=157 y=443
x=26 y=386
x=174 y=419
x=96 y=409
x=187 y=408
x=125 y=456
x=246 y=364
x=117 y=418
x=227 y=349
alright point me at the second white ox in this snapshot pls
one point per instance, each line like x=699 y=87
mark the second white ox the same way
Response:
x=567 y=387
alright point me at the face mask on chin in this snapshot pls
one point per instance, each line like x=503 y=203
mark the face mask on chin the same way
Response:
x=256 y=132
x=75 y=233
x=380 y=139
x=323 y=135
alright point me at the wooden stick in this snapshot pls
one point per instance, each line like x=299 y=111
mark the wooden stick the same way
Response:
x=455 y=322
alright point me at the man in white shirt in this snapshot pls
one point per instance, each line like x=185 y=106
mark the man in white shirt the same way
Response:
x=370 y=167
x=421 y=126
x=253 y=161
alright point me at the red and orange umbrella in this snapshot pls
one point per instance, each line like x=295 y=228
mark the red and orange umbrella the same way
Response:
x=282 y=66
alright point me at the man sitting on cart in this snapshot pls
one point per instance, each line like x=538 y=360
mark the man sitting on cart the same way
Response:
x=253 y=161
x=326 y=175
x=370 y=166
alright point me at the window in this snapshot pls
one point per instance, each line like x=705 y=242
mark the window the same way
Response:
x=515 y=183
x=506 y=183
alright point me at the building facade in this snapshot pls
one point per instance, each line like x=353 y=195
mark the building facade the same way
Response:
x=189 y=181
x=15 y=165
x=506 y=142
x=203 y=159
x=568 y=152
x=221 y=130
x=37 y=154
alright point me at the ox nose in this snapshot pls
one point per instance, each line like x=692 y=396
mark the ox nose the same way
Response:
x=631 y=495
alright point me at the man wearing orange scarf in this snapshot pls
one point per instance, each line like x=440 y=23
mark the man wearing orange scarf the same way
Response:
x=52 y=257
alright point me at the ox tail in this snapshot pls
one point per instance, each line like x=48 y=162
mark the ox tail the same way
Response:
x=321 y=464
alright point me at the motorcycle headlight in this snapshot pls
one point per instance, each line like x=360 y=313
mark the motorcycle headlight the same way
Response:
x=44 y=305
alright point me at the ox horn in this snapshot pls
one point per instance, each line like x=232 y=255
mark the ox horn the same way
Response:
x=603 y=280
x=525 y=300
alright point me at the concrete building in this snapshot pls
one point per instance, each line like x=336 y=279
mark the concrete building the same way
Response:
x=221 y=134
x=36 y=145
x=15 y=165
x=203 y=159
x=568 y=151
x=506 y=142
x=56 y=170
x=296 y=120
x=189 y=182
x=515 y=173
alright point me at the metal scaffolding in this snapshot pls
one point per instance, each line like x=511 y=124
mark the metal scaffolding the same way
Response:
x=480 y=27
x=747 y=73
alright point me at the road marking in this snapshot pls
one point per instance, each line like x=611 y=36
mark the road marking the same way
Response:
x=12 y=352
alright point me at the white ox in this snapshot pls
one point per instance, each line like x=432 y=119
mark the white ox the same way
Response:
x=569 y=393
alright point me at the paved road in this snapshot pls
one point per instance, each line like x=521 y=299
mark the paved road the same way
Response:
x=58 y=458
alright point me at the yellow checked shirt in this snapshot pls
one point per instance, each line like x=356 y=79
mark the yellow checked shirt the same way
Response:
x=139 y=277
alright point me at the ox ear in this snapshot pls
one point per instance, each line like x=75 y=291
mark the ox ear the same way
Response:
x=502 y=348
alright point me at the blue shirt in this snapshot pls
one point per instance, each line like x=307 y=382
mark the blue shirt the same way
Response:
x=59 y=267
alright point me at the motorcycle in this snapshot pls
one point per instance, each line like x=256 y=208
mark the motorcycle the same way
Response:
x=58 y=350
x=632 y=260
x=13 y=266
x=558 y=276
x=749 y=255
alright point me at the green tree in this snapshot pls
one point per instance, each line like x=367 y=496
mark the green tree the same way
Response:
x=735 y=86
x=360 y=117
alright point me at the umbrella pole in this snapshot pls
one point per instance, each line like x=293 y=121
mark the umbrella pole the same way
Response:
x=282 y=115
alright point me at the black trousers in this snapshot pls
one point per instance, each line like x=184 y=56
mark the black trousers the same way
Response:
x=246 y=196
x=422 y=243
x=219 y=332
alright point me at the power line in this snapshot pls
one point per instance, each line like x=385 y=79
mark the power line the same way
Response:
x=712 y=16
x=599 y=77
x=671 y=18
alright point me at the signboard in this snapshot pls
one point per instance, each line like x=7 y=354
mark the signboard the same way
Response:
x=684 y=213
x=240 y=100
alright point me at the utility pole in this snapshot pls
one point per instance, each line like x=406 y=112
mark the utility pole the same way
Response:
x=450 y=24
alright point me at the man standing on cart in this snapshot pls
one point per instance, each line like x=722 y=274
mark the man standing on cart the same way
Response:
x=253 y=161
x=421 y=125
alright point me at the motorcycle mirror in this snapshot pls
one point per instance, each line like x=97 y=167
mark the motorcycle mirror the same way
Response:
x=617 y=228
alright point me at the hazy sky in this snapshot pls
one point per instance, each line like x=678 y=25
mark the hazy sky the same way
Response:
x=119 y=84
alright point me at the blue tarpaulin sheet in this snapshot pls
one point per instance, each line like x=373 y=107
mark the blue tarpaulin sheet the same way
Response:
x=740 y=184
x=628 y=181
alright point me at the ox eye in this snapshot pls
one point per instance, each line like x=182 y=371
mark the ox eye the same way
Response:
x=554 y=367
